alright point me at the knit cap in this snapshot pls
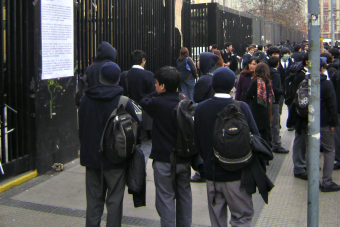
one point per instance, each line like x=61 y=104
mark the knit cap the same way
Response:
x=109 y=74
x=223 y=80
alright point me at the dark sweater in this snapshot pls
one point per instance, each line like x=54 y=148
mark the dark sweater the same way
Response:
x=183 y=72
x=242 y=86
x=284 y=72
x=260 y=113
x=205 y=117
x=140 y=83
x=336 y=84
x=94 y=110
x=331 y=69
x=328 y=107
x=164 y=133
x=276 y=82
x=105 y=53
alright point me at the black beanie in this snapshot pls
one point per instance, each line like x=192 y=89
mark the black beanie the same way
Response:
x=109 y=74
x=223 y=80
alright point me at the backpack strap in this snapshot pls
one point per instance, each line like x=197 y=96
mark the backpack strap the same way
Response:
x=127 y=82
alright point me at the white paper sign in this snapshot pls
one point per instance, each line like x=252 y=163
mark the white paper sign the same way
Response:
x=57 y=43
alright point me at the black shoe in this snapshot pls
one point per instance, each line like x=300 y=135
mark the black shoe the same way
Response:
x=280 y=150
x=197 y=178
x=336 y=165
x=302 y=176
x=291 y=129
x=331 y=188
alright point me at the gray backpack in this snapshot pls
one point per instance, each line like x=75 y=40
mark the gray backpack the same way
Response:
x=119 y=137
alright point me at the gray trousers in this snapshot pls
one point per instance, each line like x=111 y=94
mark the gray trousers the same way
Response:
x=229 y=194
x=300 y=148
x=275 y=126
x=299 y=152
x=173 y=212
x=337 y=141
x=327 y=142
x=111 y=193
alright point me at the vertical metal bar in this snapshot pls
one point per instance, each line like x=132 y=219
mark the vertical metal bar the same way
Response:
x=78 y=38
x=93 y=33
x=3 y=144
x=86 y=43
x=313 y=116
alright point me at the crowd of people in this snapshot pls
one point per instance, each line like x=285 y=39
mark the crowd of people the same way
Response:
x=260 y=89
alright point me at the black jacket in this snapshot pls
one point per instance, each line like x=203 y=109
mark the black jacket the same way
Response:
x=105 y=53
x=276 y=82
x=297 y=56
x=94 y=110
x=260 y=113
x=336 y=84
x=284 y=72
x=261 y=55
x=234 y=63
x=328 y=108
x=164 y=132
x=203 y=88
x=226 y=56
x=331 y=69
x=140 y=83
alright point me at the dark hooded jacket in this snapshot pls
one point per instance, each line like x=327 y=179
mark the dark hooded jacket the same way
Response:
x=105 y=53
x=331 y=69
x=203 y=88
x=94 y=110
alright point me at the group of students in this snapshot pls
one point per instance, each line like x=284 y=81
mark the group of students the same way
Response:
x=158 y=94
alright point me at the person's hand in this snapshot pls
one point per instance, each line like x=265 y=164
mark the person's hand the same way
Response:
x=228 y=63
x=332 y=129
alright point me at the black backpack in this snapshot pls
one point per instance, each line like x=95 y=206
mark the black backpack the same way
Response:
x=302 y=99
x=119 y=137
x=231 y=138
x=289 y=84
x=184 y=113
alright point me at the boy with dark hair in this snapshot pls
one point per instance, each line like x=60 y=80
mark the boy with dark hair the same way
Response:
x=105 y=181
x=226 y=53
x=331 y=68
x=272 y=51
x=248 y=55
x=221 y=184
x=297 y=56
x=159 y=105
x=260 y=54
x=140 y=82
x=335 y=54
x=278 y=92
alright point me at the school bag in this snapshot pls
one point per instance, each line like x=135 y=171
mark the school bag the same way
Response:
x=184 y=113
x=289 y=84
x=119 y=137
x=187 y=66
x=231 y=138
x=302 y=99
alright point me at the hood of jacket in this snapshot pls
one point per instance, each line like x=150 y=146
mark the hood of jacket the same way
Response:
x=207 y=62
x=333 y=65
x=106 y=52
x=104 y=92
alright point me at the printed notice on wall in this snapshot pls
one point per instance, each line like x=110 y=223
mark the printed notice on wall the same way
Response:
x=57 y=44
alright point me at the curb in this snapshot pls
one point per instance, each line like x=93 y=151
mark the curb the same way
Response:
x=18 y=181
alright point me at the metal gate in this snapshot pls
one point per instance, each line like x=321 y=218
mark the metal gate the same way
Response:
x=16 y=44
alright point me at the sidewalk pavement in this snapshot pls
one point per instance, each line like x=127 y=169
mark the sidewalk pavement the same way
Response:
x=58 y=198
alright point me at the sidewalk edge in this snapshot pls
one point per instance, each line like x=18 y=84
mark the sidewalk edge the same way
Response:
x=18 y=181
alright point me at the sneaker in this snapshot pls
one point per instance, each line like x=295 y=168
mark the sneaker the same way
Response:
x=197 y=178
x=291 y=129
x=302 y=176
x=331 y=188
x=336 y=165
x=280 y=150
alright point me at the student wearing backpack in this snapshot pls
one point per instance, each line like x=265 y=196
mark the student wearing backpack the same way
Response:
x=225 y=187
x=187 y=77
x=328 y=121
x=260 y=94
x=160 y=105
x=278 y=92
x=105 y=181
